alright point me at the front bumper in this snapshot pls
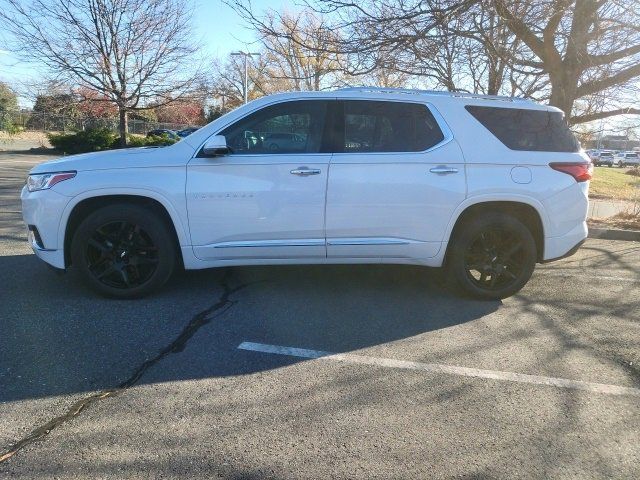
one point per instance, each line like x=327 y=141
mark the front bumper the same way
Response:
x=43 y=210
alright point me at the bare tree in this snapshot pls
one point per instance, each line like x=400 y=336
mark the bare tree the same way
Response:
x=227 y=82
x=566 y=52
x=585 y=47
x=130 y=51
x=298 y=49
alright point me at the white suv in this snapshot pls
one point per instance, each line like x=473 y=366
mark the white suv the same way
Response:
x=485 y=186
x=626 y=159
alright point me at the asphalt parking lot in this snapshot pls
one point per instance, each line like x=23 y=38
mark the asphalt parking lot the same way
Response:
x=228 y=372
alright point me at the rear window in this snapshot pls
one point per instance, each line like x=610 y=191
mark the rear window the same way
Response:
x=531 y=130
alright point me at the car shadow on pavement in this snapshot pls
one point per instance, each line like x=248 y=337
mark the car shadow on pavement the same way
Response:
x=59 y=338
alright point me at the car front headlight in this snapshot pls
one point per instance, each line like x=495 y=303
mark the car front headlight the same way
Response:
x=43 y=181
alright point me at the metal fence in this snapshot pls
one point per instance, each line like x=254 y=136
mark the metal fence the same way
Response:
x=57 y=122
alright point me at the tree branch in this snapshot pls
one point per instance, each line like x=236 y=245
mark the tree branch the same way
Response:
x=590 y=117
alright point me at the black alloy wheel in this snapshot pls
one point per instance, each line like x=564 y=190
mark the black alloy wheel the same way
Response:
x=494 y=259
x=491 y=256
x=121 y=254
x=124 y=250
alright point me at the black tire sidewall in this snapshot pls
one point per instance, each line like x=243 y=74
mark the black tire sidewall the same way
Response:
x=467 y=232
x=150 y=222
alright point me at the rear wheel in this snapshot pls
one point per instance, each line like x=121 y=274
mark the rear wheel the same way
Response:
x=123 y=251
x=492 y=257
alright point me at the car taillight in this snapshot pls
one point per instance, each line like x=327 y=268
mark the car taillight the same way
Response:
x=582 y=171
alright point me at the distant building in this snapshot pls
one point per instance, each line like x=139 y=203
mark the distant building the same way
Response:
x=613 y=142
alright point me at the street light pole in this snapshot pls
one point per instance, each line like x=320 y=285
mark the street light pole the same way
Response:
x=245 y=85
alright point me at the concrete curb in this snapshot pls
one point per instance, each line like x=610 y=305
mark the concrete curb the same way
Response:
x=610 y=234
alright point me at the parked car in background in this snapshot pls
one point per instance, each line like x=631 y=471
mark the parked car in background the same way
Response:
x=605 y=158
x=593 y=154
x=164 y=131
x=185 y=132
x=484 y=186
x=626 y=159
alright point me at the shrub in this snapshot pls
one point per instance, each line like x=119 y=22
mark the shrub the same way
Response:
x=160 y=140
x=635 y=172
x=91 y=140
x=97 y=139
x=134 y=141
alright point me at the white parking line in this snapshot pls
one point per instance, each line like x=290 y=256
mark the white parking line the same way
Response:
x=439 y=368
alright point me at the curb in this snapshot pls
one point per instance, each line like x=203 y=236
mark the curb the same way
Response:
x=608 y=234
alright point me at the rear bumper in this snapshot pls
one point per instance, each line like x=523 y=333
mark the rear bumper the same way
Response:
x=563 y=246
x=568 y=254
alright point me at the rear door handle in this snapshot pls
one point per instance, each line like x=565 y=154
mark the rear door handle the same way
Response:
x=305 y=171
x=443 y=170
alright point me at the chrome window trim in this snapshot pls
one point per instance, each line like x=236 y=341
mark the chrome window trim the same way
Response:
x=444 y=127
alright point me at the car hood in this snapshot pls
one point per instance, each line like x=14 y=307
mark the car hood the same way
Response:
x=174 y=155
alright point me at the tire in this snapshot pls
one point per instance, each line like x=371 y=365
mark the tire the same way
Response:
x=123 y=251
x=621 y=164
x=491 y=257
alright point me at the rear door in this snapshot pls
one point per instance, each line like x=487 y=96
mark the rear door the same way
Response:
x=394 y=182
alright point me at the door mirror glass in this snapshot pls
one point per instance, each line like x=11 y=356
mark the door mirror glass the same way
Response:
x=215 y=146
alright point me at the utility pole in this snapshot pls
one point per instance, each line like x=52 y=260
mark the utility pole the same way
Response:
x=246 y=56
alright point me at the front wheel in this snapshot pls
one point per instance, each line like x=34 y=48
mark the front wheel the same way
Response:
x=123 y=251
x=492 y=256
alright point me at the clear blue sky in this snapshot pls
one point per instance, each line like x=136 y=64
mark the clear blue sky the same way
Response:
x=215 y=23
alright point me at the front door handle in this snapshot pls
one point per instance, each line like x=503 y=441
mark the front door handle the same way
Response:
x=305 y=171
x=443 y=170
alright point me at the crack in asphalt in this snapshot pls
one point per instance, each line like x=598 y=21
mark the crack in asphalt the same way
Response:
x=177 y=345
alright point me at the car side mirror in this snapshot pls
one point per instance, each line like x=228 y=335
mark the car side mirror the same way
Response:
x=215 y=146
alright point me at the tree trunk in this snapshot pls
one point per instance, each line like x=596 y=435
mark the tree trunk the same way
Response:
x=563 y=90
x=123 y=127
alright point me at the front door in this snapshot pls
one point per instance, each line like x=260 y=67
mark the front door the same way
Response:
x=266 y=199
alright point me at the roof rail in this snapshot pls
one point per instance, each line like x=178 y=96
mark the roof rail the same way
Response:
x=432 y=92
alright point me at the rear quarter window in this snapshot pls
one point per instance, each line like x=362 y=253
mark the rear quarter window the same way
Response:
x=529 y=130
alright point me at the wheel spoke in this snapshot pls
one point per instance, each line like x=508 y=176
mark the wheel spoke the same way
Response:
x=110 y=270
x=484 y=242
x=513 y=249
x=141 y=260
x=99 y=263
x=512 y=265
x=125 y=276
x=509 y=274
x=96 y=244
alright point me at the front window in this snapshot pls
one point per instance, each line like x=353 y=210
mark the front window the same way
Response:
x=288 y=127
